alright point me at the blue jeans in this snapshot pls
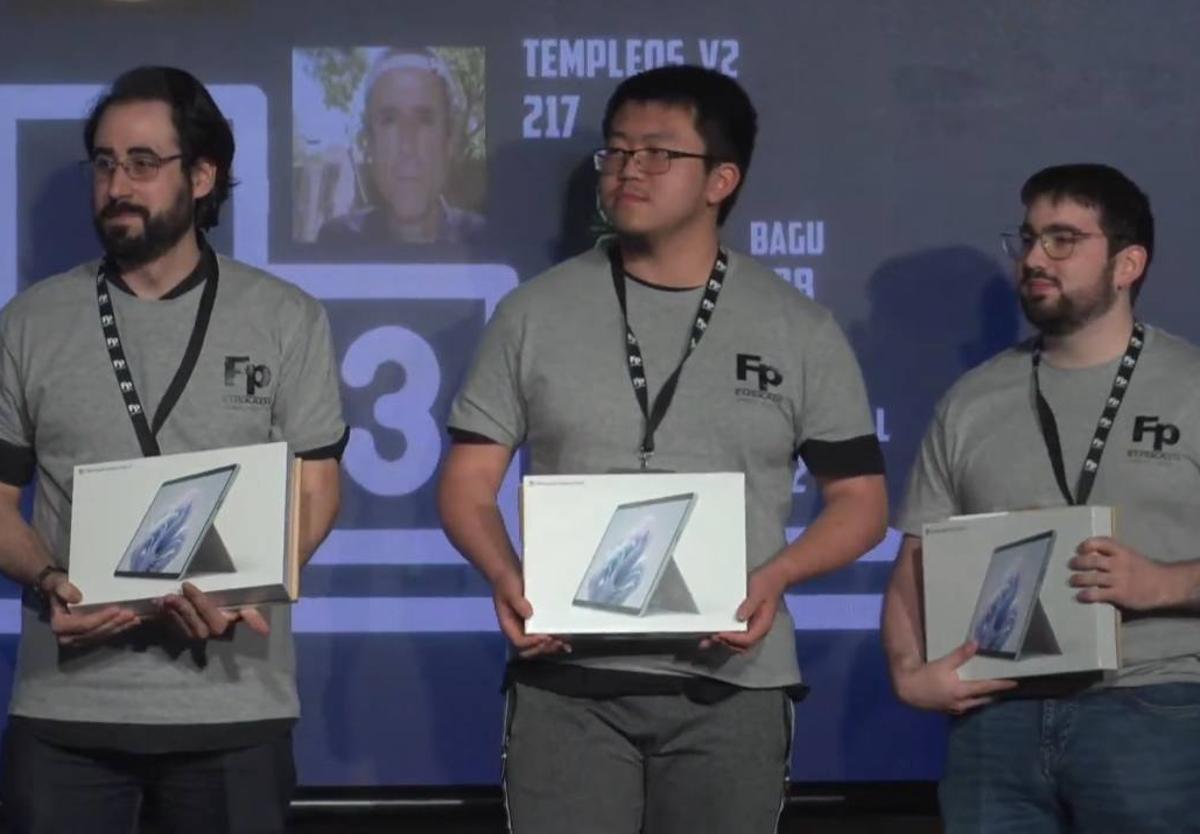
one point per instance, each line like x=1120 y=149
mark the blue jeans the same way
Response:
x=1125 y=761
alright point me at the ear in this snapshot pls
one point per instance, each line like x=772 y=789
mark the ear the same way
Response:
x=204 y=178
x=723 y=180
x=1129 y=266
x=363 y=145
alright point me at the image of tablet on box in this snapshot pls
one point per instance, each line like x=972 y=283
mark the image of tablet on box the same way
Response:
x=1009 y=596
x=176 y=523
x=633 y=559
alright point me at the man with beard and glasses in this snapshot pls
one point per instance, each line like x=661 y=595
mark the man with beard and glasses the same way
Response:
x=1118 y=752
x=190 y=710
x=742 y=373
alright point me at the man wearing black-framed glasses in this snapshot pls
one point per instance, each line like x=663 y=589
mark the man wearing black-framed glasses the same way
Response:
x=162 y=346
x=662 y=349
x=1100 y=409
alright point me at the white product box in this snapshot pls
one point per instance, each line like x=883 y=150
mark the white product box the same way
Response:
x=225 y=520
x=1002 y=579
x=639 y=554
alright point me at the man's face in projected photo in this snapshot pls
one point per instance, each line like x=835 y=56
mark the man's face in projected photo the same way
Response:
x=142 y=196
x=409 y=148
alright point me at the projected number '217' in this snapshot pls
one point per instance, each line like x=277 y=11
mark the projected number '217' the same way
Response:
x=407 y=410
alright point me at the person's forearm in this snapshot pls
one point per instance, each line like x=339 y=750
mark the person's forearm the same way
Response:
x=23 y=554
x=1185 y=578
x=320 y=499
x=847 y=527
x=472 y=521
x=318 y=512
x=903 y=629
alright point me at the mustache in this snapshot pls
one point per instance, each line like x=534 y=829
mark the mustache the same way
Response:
x=1034 y=273
x=117 y=208
x=624 y=191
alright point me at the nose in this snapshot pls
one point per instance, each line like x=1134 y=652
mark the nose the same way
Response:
x=119 y=184
x=629 y=168
x=406 y=133
x=1036 y=257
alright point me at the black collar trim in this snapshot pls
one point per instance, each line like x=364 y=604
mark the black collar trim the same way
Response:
x=203 y=271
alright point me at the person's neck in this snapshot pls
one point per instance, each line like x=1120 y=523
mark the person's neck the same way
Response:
x=422 y=230
x=1097 y=342
x=165 y=273
x=683 y=260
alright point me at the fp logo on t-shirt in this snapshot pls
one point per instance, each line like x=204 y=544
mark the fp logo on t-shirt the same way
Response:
x=249 y=378
x=753 y=368
x=1149 y=429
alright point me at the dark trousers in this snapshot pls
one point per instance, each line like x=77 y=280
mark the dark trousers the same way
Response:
x=48 y=789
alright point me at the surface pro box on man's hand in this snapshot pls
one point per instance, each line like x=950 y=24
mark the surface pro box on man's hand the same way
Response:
x=634 y=554
x=1002 y=580
x=225 y=520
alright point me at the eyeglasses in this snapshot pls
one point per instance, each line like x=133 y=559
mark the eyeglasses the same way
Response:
x=647 y=160
x=1058 y=244
x=141 y=166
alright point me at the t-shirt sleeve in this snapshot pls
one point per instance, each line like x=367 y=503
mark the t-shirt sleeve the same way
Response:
x=490 y=405
x=835 y=435
x=17 y=458
x=930 y=496
x=308 y=407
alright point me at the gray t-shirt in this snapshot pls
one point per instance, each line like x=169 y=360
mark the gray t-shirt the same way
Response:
x=551 y=373
x=60 y=406
x=984 y=452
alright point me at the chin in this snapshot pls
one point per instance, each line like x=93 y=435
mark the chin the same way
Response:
x=407 y=208
x=119 y=240
x=629 y=223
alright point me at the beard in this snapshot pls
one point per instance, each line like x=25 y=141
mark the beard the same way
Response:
x=1068 y=313
x=160 y=232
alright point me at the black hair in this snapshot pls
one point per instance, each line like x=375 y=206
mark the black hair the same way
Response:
x=1123 y=208
x=722 y=112
x=202 y=129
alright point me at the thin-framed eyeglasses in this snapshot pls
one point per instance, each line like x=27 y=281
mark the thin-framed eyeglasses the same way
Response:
x=1058 y=243
x=647 y=160
x=140 y=166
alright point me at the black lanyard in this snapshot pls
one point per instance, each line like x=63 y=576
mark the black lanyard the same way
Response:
x=637 y=374
x=1091 y=463
x=145 y=431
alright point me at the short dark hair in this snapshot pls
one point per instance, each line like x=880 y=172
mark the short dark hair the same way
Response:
x=724 y=116
x=1123 y=208
x=202 y=129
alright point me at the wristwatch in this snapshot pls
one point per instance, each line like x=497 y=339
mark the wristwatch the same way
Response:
x=40 y=578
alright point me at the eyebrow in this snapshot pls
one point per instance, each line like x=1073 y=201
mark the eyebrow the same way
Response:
x=107 y=151
x=645 y=137
x=1054 y=227
x=397 y=110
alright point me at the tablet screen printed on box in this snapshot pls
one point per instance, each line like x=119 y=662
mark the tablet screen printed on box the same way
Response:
x=175 y=524
x=1009 y=595
x=634 y=554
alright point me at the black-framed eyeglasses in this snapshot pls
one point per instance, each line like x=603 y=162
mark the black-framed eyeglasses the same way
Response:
x=1058 y=244
x=140 y=166
x=647 y=160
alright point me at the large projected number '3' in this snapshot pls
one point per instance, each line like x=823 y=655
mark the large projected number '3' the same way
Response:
x=407 y=410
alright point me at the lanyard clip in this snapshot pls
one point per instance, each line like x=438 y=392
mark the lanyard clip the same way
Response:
x=644 y=456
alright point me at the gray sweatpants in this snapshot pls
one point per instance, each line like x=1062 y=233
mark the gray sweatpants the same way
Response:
x=648 y=764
